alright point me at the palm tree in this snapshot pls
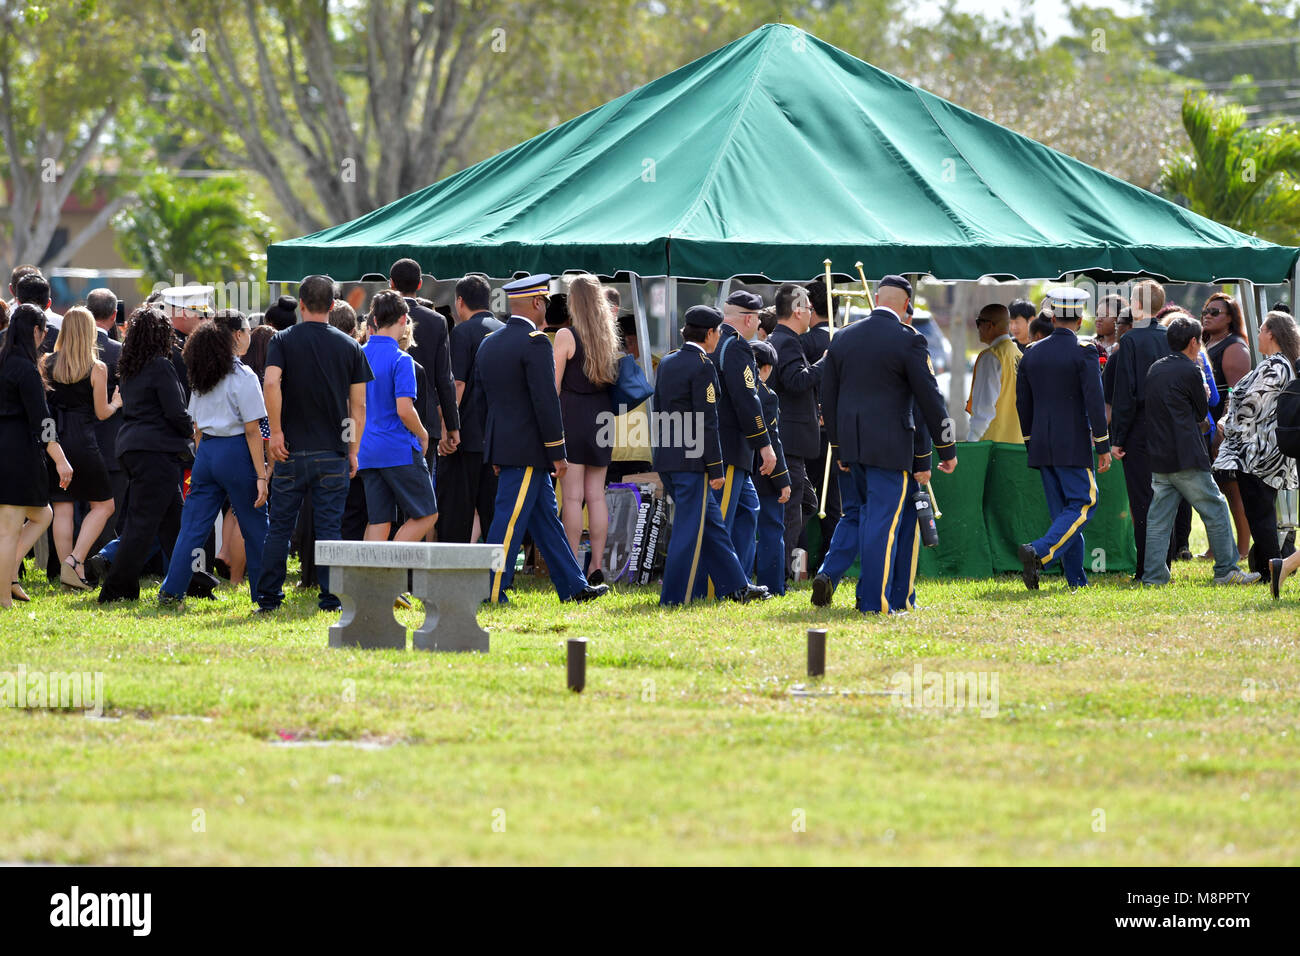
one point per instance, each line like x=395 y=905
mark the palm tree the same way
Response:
x=1248 y=179
x=207 y=231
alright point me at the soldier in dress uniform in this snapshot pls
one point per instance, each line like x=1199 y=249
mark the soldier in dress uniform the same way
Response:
x=686 y=393
x=870 y=423
x=186 y=306
x=842 y=549
x=773 y=489
x=1063 y=418
x=741 y=429
x=524 y=440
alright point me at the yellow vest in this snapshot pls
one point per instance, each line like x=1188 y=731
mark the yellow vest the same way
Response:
x=1005 y=426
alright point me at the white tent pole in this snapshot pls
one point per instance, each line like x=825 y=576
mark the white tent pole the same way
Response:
x=642 y=327
x=672 y=307
x=723 y=291
x=1248 y=308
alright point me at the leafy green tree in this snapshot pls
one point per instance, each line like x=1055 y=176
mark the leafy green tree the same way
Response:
x=203 y=230
x=69 y=82
x=1248 y=179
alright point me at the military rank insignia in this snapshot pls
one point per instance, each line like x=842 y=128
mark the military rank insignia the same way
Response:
x=749 y=377
x=710 y=395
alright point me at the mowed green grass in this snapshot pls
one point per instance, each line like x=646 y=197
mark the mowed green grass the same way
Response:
x=1132 y=727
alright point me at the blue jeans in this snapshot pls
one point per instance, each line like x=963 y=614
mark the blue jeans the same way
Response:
x=325 y=475
x=222 y=469
x=1202 y=494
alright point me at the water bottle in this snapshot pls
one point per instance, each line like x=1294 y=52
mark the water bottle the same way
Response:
x=925 y=518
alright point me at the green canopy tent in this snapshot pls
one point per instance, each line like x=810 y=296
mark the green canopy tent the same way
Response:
x=767 y=156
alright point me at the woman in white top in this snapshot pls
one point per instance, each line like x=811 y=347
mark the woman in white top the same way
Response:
x=227 y=407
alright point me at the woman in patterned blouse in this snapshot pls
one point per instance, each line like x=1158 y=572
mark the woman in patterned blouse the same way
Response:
x=1249 y=428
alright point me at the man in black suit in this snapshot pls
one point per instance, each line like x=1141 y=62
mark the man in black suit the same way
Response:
x=878 y=371
x=795 y=381
x=524 y=439
x=102 y=304
x=1063 y=417
x=1177 y=402
x=815 y=343
x=431 y=349
x=1138 y=351
x=466 y=483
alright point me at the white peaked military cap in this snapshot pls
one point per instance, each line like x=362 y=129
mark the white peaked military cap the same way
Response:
x=1067 y=302
x=196 y=298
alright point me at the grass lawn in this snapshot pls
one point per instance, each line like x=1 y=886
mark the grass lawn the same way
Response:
x=1131 y=727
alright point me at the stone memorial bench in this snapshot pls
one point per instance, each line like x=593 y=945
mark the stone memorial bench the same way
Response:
x=451 y=579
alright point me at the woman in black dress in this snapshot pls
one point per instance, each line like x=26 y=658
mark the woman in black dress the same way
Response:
x=153 y=441
x=586 y=363
x=25 y=426
x=77 y=393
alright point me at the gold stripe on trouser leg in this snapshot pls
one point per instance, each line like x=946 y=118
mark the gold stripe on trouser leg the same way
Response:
x=510 y=530
x=726 y=499
x=889 y=548
x=699 y=538
x=911 y=584
x=1078 y=522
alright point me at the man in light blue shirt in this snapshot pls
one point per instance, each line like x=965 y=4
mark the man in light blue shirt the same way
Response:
x=391 y=460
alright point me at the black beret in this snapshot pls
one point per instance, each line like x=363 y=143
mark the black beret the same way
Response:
x=746 y=300
x=896 y=282
x=703 y=316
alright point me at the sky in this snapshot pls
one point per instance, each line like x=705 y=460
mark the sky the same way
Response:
x=1050 y=14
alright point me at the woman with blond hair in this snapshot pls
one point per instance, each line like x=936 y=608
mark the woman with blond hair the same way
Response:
x=77 y=385
x=586 y=365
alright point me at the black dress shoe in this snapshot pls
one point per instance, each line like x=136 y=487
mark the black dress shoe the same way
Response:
x=97 y=567
x=596 y=578
x=1030 y=565
x=222 y=568
x=590 y=593
x=750 y=592
x=1275 y=577
x=202 y=585
x=822 y=591
x=170 y=601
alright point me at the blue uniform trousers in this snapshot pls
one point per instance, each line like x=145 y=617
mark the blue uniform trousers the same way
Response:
x=769 y=558
x=907 y=546
x=738 y=502
x=884 y=500
x=1071 y=500
x=699 y=540
x=846 y=540
x=526 y=502
x=222 y=469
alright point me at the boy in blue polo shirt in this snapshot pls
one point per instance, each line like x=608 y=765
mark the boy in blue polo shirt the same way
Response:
x=391 y=459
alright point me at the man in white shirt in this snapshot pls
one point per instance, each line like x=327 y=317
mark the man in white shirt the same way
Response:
x=992 y=402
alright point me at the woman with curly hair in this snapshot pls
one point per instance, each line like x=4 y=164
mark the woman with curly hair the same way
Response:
x=1249 y=452
x=153 y=445
x=586 y=365
x=227 y=408
x=231 y=560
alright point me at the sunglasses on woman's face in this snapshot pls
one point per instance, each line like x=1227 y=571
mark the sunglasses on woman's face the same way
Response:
x=1212 y=312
